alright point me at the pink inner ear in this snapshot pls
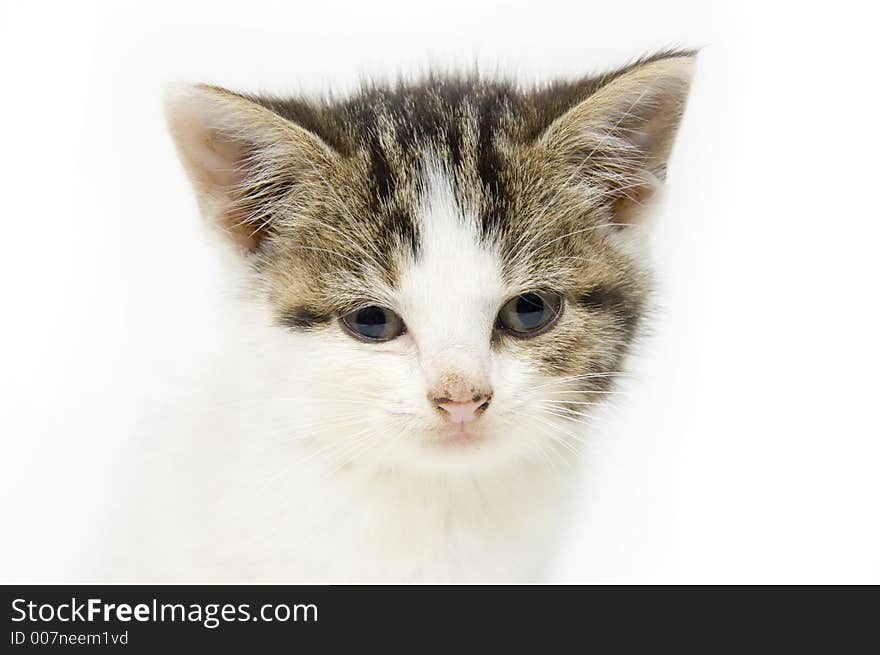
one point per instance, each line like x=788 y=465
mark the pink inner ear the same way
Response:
x=635 y=202
x=642 y=138
x=217 y=160
x=222 y=176
x=213 y=159
x=220 y=161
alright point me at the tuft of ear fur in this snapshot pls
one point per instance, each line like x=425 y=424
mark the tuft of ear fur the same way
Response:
x=242 y=158
x=622 y=134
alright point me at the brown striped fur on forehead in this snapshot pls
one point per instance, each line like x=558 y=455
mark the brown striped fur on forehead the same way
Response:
x=360 y=225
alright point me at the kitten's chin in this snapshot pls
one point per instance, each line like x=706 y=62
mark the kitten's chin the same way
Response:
x=459 y=440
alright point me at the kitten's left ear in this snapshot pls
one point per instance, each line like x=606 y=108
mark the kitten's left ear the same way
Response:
x=243 y=159
x=621 y=135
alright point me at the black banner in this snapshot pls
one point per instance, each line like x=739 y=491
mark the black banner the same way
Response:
x=241 y=618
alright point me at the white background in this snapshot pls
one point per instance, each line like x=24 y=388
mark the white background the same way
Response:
x=747 y=451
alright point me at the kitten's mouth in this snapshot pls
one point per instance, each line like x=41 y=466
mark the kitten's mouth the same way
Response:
x=459 y=436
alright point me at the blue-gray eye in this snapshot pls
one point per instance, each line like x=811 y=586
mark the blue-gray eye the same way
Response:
x=531 y=313
x=374 y=323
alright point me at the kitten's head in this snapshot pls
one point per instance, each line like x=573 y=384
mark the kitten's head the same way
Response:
x=457 y=262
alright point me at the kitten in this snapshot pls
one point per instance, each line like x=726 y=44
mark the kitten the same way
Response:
x=438 y=281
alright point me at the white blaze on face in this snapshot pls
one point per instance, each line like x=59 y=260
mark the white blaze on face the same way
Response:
x=451 y=295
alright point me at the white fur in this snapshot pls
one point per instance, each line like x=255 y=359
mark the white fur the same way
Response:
x=313 y=457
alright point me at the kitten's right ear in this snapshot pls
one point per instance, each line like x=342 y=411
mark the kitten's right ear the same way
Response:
x=242 y=158
x=621 y=135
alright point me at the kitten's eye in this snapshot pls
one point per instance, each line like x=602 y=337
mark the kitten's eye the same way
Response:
x=531 y=313
x=374 y=323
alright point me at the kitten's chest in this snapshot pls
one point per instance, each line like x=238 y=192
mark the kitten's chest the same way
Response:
x=356 y=529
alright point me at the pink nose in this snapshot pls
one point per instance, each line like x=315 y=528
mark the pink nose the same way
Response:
x=463 y=412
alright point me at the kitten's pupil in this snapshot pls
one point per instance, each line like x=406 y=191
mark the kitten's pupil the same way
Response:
x=371 y=322
x=530 y=309
x=371 y=317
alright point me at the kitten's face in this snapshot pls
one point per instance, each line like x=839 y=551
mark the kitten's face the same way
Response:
x=456 y=264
